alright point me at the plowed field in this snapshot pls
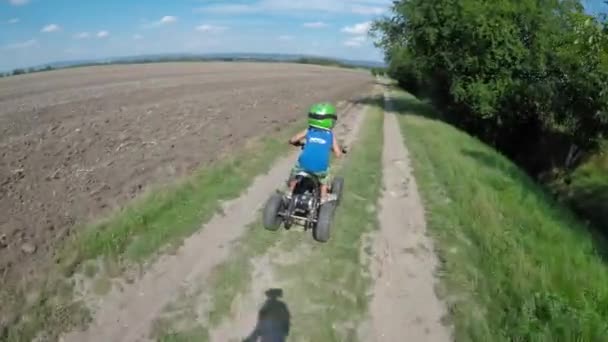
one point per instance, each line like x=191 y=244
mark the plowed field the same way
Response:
x=79 y=143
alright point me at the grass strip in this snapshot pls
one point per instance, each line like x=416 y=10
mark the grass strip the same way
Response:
x=516 y=265
x=229 y=279
x=328 y=289
x=586 y=189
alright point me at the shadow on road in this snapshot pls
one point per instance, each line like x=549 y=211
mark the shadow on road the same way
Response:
x=274 y=320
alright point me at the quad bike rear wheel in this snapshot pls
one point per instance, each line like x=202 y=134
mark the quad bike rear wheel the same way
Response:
x=337 y=185
x=321 y=232
x=272 y=219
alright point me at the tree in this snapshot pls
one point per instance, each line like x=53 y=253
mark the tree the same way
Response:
x=516 y=73
x=18 y=72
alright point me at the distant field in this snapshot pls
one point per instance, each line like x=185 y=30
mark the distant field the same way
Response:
x=79 y=143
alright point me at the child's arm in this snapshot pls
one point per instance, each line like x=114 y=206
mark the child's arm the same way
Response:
x=337 y=149
x=298 y=137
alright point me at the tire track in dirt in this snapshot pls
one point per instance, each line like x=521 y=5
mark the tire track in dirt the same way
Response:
x=246 y=307
x=128 y=314
x=404 y=305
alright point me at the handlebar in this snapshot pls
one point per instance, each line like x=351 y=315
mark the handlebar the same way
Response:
x=298 y=143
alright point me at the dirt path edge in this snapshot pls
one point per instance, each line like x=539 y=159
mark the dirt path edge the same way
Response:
x=404 y=304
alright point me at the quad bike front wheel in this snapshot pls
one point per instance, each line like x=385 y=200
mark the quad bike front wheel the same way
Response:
x=321 y=232
x=271 y=218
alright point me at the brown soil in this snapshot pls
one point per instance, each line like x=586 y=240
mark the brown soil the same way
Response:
x=77 y=144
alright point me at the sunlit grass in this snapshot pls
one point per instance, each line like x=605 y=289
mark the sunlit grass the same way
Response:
x=517 y=265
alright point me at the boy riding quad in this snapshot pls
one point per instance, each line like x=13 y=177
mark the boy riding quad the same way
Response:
x=309 y=197
x=319 y=142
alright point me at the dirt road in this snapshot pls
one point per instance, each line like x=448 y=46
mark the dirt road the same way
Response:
x=77 y=144
x=129 y=314
x=303 y=301
x=404 y=306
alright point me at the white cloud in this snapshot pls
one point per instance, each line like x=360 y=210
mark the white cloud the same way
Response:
x=368 y=10
x=285 y=38
x=316 y=24
x=18 y=2
x=13 y=21
x=355 y=41
x=82 y=35
x=22 y=45
x=168 y=19
x=211 y=28
x=103 y=34
x=50 y=28
x=358 y=29
x=138 y=37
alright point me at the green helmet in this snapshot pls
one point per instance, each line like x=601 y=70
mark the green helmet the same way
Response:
x=322 y=115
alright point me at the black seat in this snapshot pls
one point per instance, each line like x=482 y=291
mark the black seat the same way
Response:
x=307 y=174
x=307 y=180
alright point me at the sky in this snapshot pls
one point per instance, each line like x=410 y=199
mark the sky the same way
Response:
x=595 y=6
x=34 y=32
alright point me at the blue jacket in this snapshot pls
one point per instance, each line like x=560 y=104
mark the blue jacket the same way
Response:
x=317 y=151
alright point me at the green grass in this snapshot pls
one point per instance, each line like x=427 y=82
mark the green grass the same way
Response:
x=194 y=335
x=587 y=192
x=52 y=310
x=160 y=219
x=517 y=266
x=229 y=279
x=234 y=276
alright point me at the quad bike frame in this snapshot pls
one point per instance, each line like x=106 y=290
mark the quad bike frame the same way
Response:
x=304 y=208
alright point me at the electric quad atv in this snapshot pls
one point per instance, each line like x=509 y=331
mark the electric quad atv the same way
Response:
x=304 y=208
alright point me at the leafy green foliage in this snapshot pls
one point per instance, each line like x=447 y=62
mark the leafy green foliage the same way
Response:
x=378 y=71
x=529 y=77
x=322 y=61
